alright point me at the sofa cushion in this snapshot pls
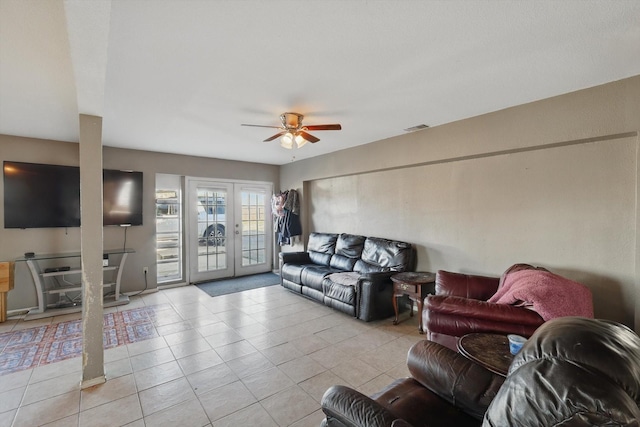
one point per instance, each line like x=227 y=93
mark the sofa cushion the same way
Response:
x=313 y=275
x=384 y=255
x=416 y=403
x=365 y=267
x=348 y=250
x=344 y=292
x=463 y=285
x=350 y=245
x=321 y=247
x=292 y=272
x=340 y=262
x=346 y=278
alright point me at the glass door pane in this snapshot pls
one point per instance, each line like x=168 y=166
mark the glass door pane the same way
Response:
x=212 y=232
x=253 y=216
x=210 y=211
x=253 y=250
x=169 y=238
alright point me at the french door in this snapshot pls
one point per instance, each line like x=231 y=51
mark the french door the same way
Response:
x=229 y=229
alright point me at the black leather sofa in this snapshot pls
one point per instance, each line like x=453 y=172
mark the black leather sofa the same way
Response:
x=348 y=272
x=573 y=371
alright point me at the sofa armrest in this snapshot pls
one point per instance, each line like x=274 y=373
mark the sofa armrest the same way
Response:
x=475 y=309
x=466 y=285
x=455 y=317
x=375 y=293
x=378 y=277
x=344 y=406
x=294 y=258
x=453 y=377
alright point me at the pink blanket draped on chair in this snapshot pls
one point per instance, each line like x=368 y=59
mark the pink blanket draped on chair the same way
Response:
x=549 y=295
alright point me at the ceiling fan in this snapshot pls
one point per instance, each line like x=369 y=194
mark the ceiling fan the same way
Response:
x=292 y=130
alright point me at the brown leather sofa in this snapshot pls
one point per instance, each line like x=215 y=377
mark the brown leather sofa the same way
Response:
x=573 y=371
x=348 y=272
x=462 y=304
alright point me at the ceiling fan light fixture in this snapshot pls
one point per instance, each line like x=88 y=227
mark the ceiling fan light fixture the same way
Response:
x=291 y=120
x=287 y=141
x=300 y=141
x=292 y=130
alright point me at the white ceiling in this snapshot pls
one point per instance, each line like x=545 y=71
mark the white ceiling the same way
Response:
x=181 y=76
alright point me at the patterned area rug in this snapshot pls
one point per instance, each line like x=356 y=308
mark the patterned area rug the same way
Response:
x=28 y=348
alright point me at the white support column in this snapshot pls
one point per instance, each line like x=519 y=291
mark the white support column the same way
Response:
x=92 y=248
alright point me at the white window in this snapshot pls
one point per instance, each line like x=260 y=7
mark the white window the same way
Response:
x=169 y=228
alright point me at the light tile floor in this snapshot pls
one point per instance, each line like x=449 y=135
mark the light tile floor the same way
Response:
x=262 y=357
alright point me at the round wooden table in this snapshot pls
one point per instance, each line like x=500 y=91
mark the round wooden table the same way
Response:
x=488 y=350
x=415 y=284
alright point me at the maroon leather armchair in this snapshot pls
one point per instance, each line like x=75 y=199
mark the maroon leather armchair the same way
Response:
x=460 y=307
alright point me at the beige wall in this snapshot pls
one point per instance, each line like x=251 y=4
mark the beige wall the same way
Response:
x=553 y=183
x=14 y=243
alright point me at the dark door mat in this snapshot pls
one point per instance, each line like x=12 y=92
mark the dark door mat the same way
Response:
x=239 y=284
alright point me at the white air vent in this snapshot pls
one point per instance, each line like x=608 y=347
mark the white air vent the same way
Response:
x=415 y=128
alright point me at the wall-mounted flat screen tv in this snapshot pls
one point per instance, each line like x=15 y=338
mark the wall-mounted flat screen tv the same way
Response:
x=37 y=196
x=41 y=196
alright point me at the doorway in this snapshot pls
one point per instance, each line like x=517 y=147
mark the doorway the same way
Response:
x=228 y=227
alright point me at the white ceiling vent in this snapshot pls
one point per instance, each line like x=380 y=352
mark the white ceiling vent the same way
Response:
x=415 y=128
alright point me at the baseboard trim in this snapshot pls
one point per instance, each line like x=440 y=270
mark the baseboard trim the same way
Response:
x=94 y=381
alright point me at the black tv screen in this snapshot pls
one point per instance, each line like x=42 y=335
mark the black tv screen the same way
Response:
x=40 y=196
x=37 y=196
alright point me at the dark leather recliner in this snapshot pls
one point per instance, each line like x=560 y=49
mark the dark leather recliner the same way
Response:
x=573 y=371
x=445 y=389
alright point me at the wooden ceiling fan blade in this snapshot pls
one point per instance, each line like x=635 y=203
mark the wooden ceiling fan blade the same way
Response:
x=262 y=126
x=308 y=137
x=324 y=127
x=271 y=138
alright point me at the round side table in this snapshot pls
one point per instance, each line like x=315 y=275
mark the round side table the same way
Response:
x=488 y=350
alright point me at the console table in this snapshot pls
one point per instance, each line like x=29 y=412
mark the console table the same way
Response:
x=416 y=285
x=50 y=278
